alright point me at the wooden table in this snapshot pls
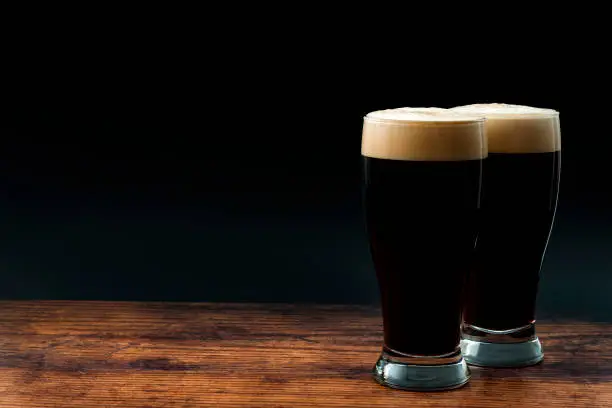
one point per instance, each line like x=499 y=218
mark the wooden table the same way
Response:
x=112 y=354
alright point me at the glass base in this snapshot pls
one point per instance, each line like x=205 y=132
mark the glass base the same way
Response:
x=518 y=347
x=421 y=373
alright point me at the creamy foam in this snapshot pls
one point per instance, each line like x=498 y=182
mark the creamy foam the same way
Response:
x=423 y=134
x=411 y=115
x=517 y=128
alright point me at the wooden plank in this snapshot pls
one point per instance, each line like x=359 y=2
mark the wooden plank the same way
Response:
x=123 y=354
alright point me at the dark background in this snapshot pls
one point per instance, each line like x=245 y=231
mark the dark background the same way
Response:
x=173 y=163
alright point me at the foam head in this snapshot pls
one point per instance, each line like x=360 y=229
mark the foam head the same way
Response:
x=517 y=128
x=423 y=134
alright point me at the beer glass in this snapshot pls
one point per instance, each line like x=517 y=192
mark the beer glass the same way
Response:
x=519 y=199
x=422 y=175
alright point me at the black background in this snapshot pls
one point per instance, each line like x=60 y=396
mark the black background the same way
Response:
x=181 y=160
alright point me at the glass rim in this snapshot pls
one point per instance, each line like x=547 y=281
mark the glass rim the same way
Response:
x=523 y=116
x=429 y=123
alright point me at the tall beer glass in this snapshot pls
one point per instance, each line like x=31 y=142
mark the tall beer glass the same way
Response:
x=422 y=172
x=520 y=188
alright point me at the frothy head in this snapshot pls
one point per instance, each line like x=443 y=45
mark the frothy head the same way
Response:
x=423 y=134
x=517 y=128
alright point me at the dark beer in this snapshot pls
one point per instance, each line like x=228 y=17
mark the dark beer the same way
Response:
x=519 y=199
x=421 y=221
x=422 y=174
x=518 y=207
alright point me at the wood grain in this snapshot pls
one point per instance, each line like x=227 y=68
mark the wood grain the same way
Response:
x=149 y=355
